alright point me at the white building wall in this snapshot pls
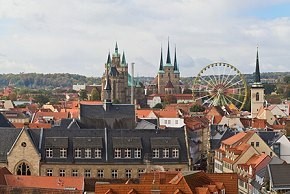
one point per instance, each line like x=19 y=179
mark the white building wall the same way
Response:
x=284 y=148
x=172 y=122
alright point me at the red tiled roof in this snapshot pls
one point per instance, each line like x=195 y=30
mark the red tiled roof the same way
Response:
x=143 y=113
x=33 y=125
x=45 y=182
x=56 y=115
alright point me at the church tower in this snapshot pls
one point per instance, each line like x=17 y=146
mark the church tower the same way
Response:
x=257 y=91
x=168 y=76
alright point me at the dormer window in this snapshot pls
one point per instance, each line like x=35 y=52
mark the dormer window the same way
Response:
x=127 y=153
x=49 y=153
x=88 y=153
x=175 y=153
x=63 y=153
x=78 y=153
x=117 y=153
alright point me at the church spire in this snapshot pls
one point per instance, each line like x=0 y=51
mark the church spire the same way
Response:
x=175 y=61
x=168 y=60
x=107 y=87
x=123 y=62
x=257 y=73
x=116 y=48
x=109 y=59
x=161 y=62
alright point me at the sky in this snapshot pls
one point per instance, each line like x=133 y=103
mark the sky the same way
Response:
x=75 y=36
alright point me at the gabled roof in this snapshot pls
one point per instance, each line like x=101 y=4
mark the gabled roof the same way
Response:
x=163 y=113
x=7 y=139
x=169 y=84
x=4 y=122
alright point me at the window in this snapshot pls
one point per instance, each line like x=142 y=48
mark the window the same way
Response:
x=178 y=169
x=253 y=144
x=169 y=122
x=87 y=173
x=257 y=96
x=117 y=153
x=176 y=122
x=63 y=153
x=100 y=173
x=175 y=153
x=74 y=172
x=49 y=153
x=98 y=153
x=271 y=154
x=165 y=122
x=78 y=153
x=137 y=153
x=49 y=172
x=165 y=153
x=23 y=169
x=127 y=153
x=155 y=153
x=128 y=173
x=114 y=173
x=61 y=172
x=88 y=153
x=257 y=144
x=140 y=171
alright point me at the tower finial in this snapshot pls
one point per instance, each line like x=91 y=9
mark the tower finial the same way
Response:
x=257 y=72
x=109 y=59
x=107 y=87
x=168 y=60
x=161 y=62
x=123 y=62
x=175 y=61
x=116 y=48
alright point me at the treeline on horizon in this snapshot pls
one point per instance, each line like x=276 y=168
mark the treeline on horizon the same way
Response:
x=66 y=80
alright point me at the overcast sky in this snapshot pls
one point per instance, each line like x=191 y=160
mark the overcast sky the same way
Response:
x=75 y=36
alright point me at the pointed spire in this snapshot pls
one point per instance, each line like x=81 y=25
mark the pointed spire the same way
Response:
x=257 y=73
x=116 y=48
x=109 y=59
x=107 y=87
x=161 y=62
x=123 y=59
x=168 y=60
x=175 y=61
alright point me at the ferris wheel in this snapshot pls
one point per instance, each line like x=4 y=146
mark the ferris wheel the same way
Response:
x=220 y=84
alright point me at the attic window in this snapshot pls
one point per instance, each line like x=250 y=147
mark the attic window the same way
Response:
x=23 y=144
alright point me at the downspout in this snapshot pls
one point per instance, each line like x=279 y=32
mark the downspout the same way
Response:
x=187 y=148
x=106 y=143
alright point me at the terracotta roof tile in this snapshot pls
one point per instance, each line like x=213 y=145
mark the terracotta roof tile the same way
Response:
x=45 y=182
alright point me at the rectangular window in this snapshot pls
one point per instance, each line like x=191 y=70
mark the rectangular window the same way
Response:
x=117 y=153
x=74 y=172
x=169 y=122
x=165 y=153
x=61 y=172
x=127 y=153
x=175 y=153
x=78 y=153
x=98 y=153
x=257 y=144
x=49 y=172
x=165 y=122
x=140 y=171
x=114 y=173
x=178 y=169
x=88 y=153
x=128 y=173
x=176 y=122
x=137 y=153
x=63 y=153
x=253 y=144
x=49 y=153
x=155 y=153
x=87 y=173
x=100 y=173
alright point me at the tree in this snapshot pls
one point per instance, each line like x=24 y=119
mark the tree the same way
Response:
x=197 y=108
x=12 y=96
x=41 y=99
x=83 y=95
x=95 y=95
x=158 y=105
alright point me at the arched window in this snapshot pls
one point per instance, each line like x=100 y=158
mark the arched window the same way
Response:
x=23 y=169
x=257 y=96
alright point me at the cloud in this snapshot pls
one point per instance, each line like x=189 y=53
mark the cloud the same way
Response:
x=75 y=37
